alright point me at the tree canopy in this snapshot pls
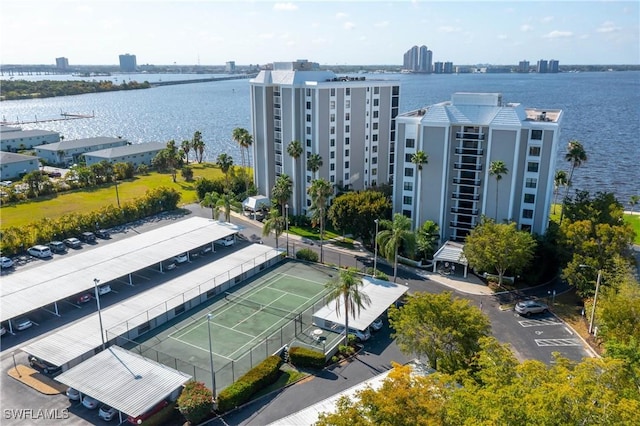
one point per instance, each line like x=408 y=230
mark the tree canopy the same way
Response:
x=394 y=235
x=355 y=212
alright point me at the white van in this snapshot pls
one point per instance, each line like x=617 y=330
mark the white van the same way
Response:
x=40 y=251
x=226 y=241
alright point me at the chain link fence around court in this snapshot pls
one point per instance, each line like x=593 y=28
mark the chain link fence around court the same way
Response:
x=332 y=256
x=228 y=373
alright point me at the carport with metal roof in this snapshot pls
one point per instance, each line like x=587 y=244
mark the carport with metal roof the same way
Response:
x=450 y=253
x=25 y=291
x=128 y=382
x=382 y=295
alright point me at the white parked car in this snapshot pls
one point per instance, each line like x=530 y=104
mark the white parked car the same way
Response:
x=22 y=324
x=529 y=307
x=226 y=241
x=40 y=251
x=6 y=262
x=377 y=324
x=361 y=336
x=73 y=394
x=106 y=413
x=90 y=403
x=104 y=289
x=181 y=258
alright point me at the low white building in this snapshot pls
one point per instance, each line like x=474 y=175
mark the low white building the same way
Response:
x=14 y=166
x=141 y=153
x=13 y=139
x=68 y=151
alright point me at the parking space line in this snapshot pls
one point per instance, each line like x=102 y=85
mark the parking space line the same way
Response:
x=558 y=342
x=539 y=322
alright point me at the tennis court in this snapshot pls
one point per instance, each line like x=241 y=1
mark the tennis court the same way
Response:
x=243 y=327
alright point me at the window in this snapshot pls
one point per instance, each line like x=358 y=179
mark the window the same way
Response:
x=308 y=105
x=408 y=171
x=308 y=118
x=376 y=90
x=347 y=91
x=407 y=199
x=309 y=142
x=346 y=152
x=347 y=128
x=374 y=138
x=374 y=148
x=529 y=198
x=332 y=167
x=407 y=158
x=346 y=141
x=536 y=135
x=332 y=142
x=410 y=143
x=534 y=151
x=531 y=183
x=333 y=92
x=332 y=154
x=332 y=130
x=375 y=126
x=374 y=172
x=346 y=176
x=332 y=178
x=347 y=116
x=347 y=104
x=408 y=186
x=308 y=130
x=526 y=228
x=527 y=214
x=374 y=160
x=406 y=213
x=375 y=114
x=309 y=93
x=332 y=118
x=376 y=102
x=332 y=104
x=346 y=164
x=532 y=167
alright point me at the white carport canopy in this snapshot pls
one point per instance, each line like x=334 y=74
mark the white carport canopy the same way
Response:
x=451 y=252
x=256 y=202
x=35 y=288
x=382 y=295
x=82 y=337
x=130 y=383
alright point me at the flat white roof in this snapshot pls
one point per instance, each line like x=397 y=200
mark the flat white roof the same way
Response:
x=451 y=252
x=382 y=295
x=28 y=290
x=83 y=336
x=126 y=381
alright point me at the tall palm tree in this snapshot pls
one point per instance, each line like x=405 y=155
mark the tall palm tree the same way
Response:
x=282 y=190
x=198 y=146
x=238 y=136
x=576 y=155
x=395 y=233
x=186 y=147
x=345 y=290
x=314 y=163
x=225 y=162
x=497 y=169
x=275 y=223
x=560 y=179
x=212 y=200
x=320 y=191
x=419 y=159
x=294 y=149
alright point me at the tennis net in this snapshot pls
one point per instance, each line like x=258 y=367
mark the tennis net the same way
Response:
x=260 y=307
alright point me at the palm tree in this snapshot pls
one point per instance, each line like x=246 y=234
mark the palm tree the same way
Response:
x=320 y=191
x=559 y=180
x=173 y=158
x=314 y=163
x=221 y=203
x=282 y=190
x=198 y=146
x=225 y=162
x=244 y=139
x=427 y=239
x=576 y=155
x=211 y=199
x=294 y=149
x=396 y=233
x=186 y=147
x=419 y=159
x=634 y=201
x=345 y=290
x=276 y=224
x=497 y=168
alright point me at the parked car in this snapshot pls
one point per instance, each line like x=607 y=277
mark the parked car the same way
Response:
x=40 y=251
x=88 y=237
x=361 y=336
x=44 y=366
x=82 y=298
x=90 y=403
x=104 y=289
x=57 y=247
x=142 y=417
x=6 y=262
x=226 y=241
x=529 y=307
x=72 y=243
x=73 y=394
x=181 y=258
x=377 y=324
x=103 y=233
x=3 y=330
x=22 y=324
x=205 y=249
x=106 y=413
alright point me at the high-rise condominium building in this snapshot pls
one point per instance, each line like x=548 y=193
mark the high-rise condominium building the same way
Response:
x=418 y=59
x=554 y=66
x=347 y=121
x=542 y=66
x=128 y=63
x=62 y=63
x=523 y=67
x=462 y=138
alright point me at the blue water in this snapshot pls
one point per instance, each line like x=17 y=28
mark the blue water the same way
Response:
x=602 y=110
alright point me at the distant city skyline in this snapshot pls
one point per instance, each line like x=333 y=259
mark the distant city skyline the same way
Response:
x=213 y=32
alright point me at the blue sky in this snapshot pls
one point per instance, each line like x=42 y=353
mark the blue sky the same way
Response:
x=347 y=32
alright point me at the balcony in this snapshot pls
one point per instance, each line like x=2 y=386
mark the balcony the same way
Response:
x=470 y=151
x=468 y=182
x=461 y=225
x=467 y=135
x=467 y=166
x=461 y=196
x=462 y=210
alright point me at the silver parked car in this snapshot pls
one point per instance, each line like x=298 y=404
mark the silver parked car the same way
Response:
x=529 y=307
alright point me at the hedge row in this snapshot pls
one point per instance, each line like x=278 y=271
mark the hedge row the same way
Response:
x=259 y=377
x=303 y=357
x=307 y=254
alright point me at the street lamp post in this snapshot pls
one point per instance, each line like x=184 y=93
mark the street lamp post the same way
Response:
x=595 y=297
x=375 y=250
x=286 y=219
x=117 y=194
x=95 y=285
x=213 y=374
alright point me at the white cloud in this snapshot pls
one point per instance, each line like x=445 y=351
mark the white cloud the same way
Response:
x=341 y=15
x=502 y=37
x=558 y=34
x=382 y=24
x=607 y=27
x=526 y=28
x=349 y=25
x=546 y=19
x=449 y=29
x=285 y=6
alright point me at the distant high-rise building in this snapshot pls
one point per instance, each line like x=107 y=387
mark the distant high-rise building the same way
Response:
x=554 y=66
x=448 y=67
x=523 y=66
x=438 y=67
x=417 y=59
x=542 y=66
x=230 y=67
x=128 y=63
x=347 y=121
x=62 y=63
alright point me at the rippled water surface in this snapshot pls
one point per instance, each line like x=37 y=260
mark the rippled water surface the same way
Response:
x=602 y=110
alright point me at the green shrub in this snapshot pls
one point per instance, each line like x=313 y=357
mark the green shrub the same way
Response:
x=382 y=276
x=195 y=402
x=307 y=254
x=259 y=377
x=303 y=357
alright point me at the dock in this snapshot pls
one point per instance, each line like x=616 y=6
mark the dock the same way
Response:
x=65 y=116
x=202 y=80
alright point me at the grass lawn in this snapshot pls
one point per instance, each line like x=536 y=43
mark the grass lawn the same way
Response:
x=84 y=200
x=288 y=376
